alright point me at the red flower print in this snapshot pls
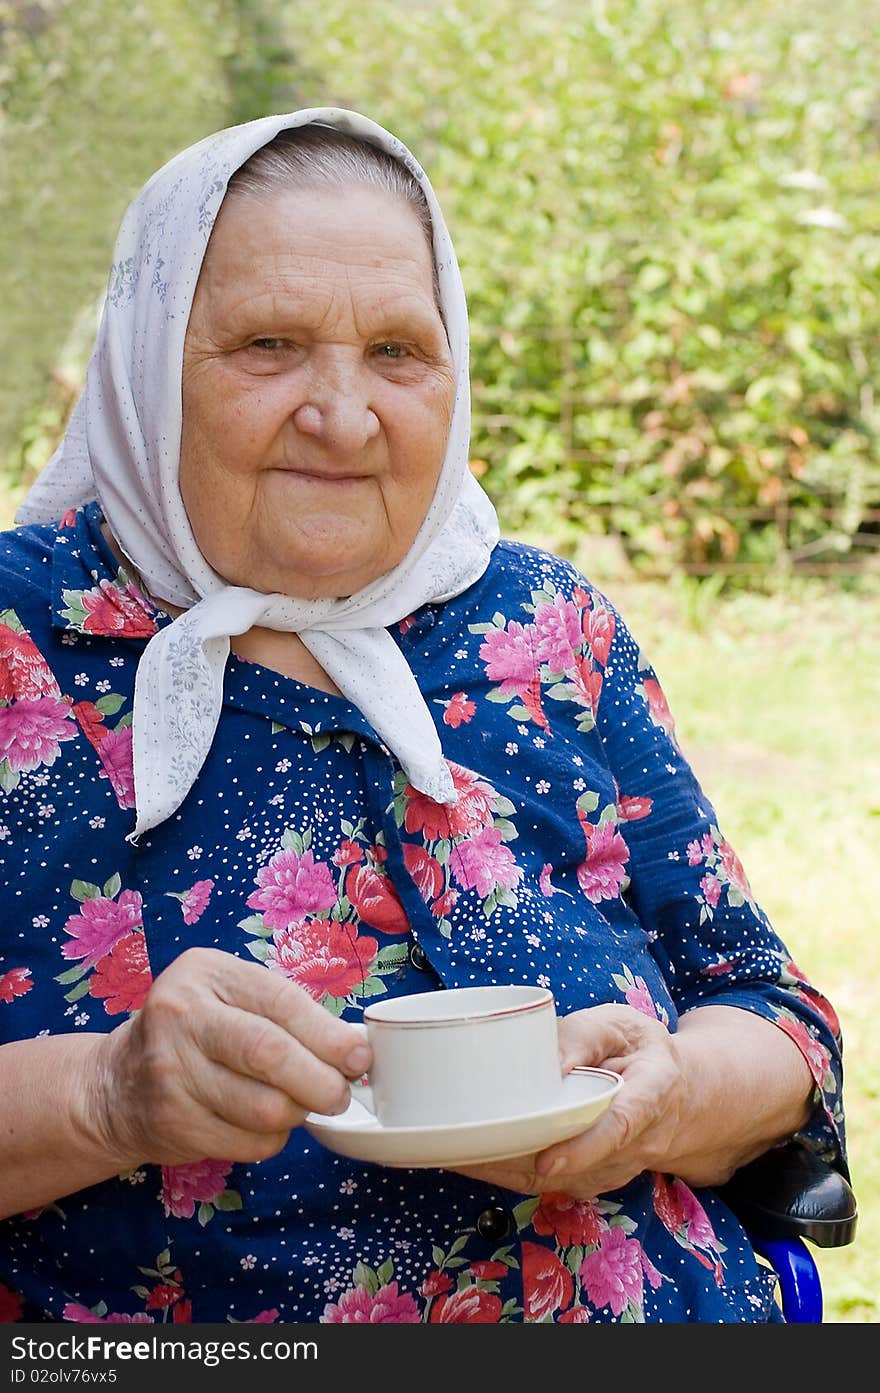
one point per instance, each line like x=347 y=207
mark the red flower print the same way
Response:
x=469 y=1306
x=10 y=1306
x=200 y=1182
x=91 y=721
x=292 y=886
x=444 y=903
x=573 y=1223
x=69 y=519
x=376 y=901
x=323 y=957
x=601 y=875
x=633 y=809
x=425 y=870
x=165 y=1294
x=598 y=626
x=268 y=1317
x=123 y=975
x=578 y=1315
x=473 y=811
x=435 y=1284
x=347 y=854
x=587 y=683
x=15 y=982
x=806 y=992
x=24 y=671
x=458 y=710
x=814 y=1053
x=359 y=1306
x=31 y=731
x=548 y=1285
x=100 y=923
x=182 y=1313
x=678 y=1208
x=406 y=624
x=112 y=609
x=488 y=1271
x=733 y=869
x=658 y=706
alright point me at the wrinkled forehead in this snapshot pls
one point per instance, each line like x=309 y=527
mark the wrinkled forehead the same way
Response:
x=166 y=232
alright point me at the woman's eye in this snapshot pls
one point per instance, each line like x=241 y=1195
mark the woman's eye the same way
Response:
x=268 y=345
x=391 y=350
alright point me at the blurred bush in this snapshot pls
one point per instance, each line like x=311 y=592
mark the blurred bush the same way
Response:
x=666 y=215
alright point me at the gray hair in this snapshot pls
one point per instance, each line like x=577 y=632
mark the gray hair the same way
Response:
x=320 y=157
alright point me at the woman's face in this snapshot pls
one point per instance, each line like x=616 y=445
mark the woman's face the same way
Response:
x=317 y=391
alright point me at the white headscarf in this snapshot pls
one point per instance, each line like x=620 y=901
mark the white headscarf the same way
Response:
x=122 y=446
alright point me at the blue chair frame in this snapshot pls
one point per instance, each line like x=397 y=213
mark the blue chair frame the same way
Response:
x=786 y=1196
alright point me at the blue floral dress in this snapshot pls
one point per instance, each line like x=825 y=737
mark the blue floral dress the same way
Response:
x=581 y=855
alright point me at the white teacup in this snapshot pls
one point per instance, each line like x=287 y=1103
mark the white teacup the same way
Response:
x=470 y=1054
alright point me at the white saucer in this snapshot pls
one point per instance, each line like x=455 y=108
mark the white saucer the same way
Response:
x=584 y=1096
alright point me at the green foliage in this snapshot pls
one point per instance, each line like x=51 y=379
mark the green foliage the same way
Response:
x=666 y=219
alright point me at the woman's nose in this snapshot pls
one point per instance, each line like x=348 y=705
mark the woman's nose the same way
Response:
x=337 y=412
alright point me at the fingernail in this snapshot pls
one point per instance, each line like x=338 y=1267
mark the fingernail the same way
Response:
x=357 y=1060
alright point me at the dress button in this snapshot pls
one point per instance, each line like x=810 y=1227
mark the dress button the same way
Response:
x=494 y=1224
x=419 y=958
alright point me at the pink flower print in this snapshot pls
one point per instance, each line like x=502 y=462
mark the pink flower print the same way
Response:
x=31 y=731
x=360 y=1306
x=732 y=868
x=634 y=809
x=679 y=1210
x=640 y=999
x=16 y=982
x=83 y=1316
x=113 y=609
x=200 y=1182
x=658 y=706
x=100 y=924
x=711 y=888
x=323 y=957
x=24 y=671
x=598 y=628
x=194 y=901
x=547 y=1283
x=694 y=853
x=544 y=881
x=601 y=875
x=459 y=710
x=292 y=886
x=483 y=863
x=558 y=627
x=510 y=657
x=115 y=754
x=612 y=1274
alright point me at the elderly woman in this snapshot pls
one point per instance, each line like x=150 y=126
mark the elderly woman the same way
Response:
x=285 y=726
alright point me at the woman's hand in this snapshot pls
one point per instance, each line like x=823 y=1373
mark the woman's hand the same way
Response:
x=697 y=1104
x=636 y=1132
x=223 y=1060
